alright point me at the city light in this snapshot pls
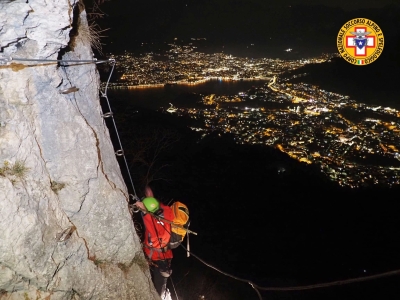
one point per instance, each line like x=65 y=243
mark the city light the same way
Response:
x=310 y=124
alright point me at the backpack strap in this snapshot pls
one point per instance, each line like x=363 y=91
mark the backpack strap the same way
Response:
x=152 y=249
x=187 y=242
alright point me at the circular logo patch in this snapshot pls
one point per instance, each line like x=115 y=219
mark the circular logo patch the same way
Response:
x=360 y=41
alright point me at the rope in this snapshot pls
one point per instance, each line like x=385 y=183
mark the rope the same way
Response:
x=173 y=285
x=253 y=285
x=224 y=273
x=298 y=288
x=8 y=59
x=110 y=114
x=333 y=283
x=257 y=288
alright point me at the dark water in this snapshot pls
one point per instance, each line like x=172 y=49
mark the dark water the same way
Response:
x=346 y=79
x=154 y=98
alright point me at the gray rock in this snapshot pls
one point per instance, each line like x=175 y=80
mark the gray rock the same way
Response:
x=65 y=228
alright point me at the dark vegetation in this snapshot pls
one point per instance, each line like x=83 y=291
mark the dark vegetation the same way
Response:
x=277 y=229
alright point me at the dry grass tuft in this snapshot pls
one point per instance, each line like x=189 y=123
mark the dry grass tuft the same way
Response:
x=18 y=170
x=92 y=33
x=57 y=186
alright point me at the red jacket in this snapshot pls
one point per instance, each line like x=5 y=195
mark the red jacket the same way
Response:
x=157 y=234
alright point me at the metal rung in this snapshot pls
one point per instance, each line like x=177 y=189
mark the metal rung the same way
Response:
x=107 y=115
x=72 y=89
x=120 y=152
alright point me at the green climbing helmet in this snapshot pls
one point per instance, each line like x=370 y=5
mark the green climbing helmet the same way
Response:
x=151 y=204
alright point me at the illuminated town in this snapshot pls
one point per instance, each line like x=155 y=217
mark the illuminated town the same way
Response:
x=184 y=65
x=313 y=126
x=354 y=144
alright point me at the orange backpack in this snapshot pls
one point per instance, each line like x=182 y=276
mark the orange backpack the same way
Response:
x=179 y=224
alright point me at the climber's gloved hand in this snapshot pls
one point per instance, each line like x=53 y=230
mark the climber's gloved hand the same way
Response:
x=140 y=205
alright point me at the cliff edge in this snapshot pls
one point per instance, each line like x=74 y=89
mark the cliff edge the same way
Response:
x=65 y=228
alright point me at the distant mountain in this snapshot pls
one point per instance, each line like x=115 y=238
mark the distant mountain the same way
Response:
x=376 y=83
x=235 y=22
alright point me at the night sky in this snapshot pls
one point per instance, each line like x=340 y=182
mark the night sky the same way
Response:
x=283 y=23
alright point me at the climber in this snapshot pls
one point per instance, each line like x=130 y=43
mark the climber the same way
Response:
x=156 y=238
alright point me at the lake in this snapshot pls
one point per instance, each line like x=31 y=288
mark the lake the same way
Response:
x=156 y=97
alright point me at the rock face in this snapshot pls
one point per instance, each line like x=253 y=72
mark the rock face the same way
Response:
x=65 y=227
